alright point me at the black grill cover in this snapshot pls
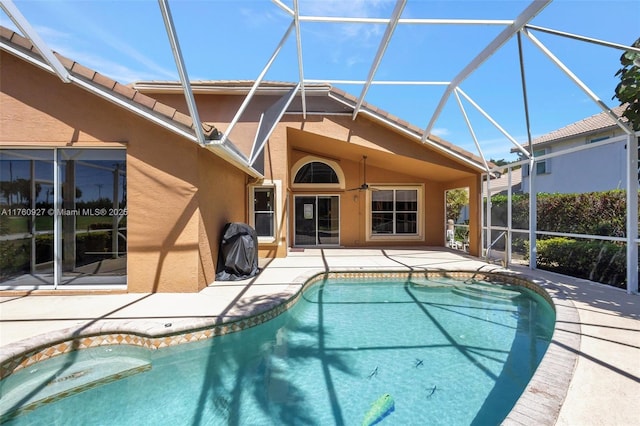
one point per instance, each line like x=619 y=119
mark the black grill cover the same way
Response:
x=238 y=254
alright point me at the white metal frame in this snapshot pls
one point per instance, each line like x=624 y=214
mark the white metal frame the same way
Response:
x=386 y=38
x=182 y=69
x=23 y=25
x=513 y=28
x=632 y=239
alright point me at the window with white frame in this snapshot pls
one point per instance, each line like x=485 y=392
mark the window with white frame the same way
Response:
x=313 y=172
x=263 y=208
x=542 y=167
x=395 y=212
x=599 y=139
x=316 y=172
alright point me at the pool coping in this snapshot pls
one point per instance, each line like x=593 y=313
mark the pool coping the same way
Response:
x=540 y=403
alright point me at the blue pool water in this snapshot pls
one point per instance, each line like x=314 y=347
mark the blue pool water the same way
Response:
x=446 y=352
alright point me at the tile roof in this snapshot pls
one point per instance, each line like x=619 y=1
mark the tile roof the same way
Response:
x=416 y=131
x=128 y=93
x=592 y=124
x=501 y=184
x=123 y=92
x=341 y=101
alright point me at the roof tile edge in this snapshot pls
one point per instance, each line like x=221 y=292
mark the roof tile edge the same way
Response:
x=123 y=91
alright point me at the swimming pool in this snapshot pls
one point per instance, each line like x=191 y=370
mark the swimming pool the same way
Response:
x=446 y=351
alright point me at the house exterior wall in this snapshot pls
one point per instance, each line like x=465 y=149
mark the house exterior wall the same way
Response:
x=582 y=171
x=343 y=140
x=179 y=194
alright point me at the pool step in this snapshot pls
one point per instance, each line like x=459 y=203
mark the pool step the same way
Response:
x=431 y=286
x=487 y=292
x=43 y=384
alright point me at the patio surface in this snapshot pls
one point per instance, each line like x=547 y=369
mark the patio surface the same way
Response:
x=597 y=329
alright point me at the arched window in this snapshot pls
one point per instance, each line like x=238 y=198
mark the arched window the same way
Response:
x=316 y=172
x=312 y=171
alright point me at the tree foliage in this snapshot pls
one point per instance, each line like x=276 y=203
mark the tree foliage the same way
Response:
x=628 y=90
x=456 y=200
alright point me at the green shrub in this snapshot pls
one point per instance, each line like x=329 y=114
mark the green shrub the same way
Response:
x=599 y=261
x=594 y=213
x=519 y=210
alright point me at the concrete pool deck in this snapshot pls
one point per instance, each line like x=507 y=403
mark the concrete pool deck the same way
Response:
x=590 y=375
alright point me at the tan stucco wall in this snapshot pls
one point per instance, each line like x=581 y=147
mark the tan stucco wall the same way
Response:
x=345 y=140
x=179 y=195
x=221 y=199
x=434 y=172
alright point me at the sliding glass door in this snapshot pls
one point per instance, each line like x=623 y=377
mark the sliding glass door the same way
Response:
x=26 y=228
x=92 y=216
x=317 y=220
x=62 y=218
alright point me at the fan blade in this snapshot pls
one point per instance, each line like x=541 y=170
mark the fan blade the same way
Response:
x=362 y=187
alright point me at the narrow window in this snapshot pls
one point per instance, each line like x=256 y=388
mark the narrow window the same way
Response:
x=264 y=211
x=542 y=167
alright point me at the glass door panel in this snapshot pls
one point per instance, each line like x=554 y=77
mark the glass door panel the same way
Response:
x=93 y=216
x=26 y=224
x=88 y=209
x=317 y=220
x=305 y=221
x=328 y=221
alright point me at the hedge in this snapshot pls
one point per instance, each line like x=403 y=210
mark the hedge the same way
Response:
x=599 y=261
x=593 y=213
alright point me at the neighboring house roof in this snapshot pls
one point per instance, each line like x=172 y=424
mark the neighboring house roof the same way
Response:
x=501 y=184
x=593 y=124
x=326 y=99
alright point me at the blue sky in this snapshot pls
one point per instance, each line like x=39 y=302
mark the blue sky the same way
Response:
x=233 y=39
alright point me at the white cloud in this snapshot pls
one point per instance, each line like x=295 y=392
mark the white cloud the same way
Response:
x=117 y=71
x=257 y=17
x=352 y=8
x=440 y=131
x=66 y=46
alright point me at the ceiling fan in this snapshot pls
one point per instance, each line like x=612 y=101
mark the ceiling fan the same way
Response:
x=364 y=185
